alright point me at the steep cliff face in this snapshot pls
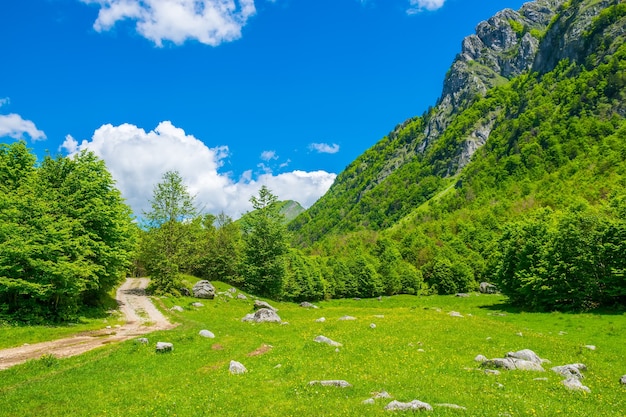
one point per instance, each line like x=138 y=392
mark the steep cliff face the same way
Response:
x=416 y=160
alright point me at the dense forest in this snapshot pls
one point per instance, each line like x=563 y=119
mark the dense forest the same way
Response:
x=522 y=184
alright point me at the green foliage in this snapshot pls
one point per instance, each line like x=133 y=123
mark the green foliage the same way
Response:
x=66 y=237
x=263 y=266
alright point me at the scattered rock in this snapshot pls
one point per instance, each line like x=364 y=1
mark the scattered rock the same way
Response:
x=162 y=347
x=455 y=314
x=497 y=314
x=527 y=355
x=520 y=334
x=340 y=383
x=590 y=347
x=480 y=358
x=462 y=295
x=236 y=368
x=258 y=304
x=372 y=326
x=241 y=296
x=321 y=320
x=226 y=294
x=454 y=406
x=177 y=308
x=540 y=379
x=492 y=372
x=571 y=370
x=574 y=384
x=382 y=394
x=278 y=366
x=562 y=333
x=346 y=318
x=306 y=304
x=264 y=315
x=324 y=339
x=487 y=288
x=184 y=291
x=232 y=290
x=421 y=350
x=380 y=298
x=413 y=405
x=368 y=401
x=512 y=364
x=197 y=305
x=207 y=334
x=143 y=340
x=623 y=380
x=204 y=289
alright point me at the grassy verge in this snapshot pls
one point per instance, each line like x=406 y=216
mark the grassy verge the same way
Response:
x=416 y=351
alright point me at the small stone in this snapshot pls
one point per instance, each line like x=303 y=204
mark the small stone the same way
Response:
x=590 y=347
x=278 y=366
x=236 y=368
x=453 y=406
x=489 y=338
x=379 y=316
x=562 y=333
x=540 y=379
x=258 y=304
x=455 y=314
x=480 y=358
x=574 y=384
x=321 y=320
x=226 y=294
x=623 y=380
x=306 y=304
x=571 y=371
x=347 y=318
x=372 y=326
x=232 y=290
x=207 y=334
x=241 y=296
x=421 y=350
x=462 y=295
x=519 y=334
x=197 y=304
x=413 y=405
x=324 y=339
x=382 y=394
x=368 y=401
x=492 y=372
x=177 y=308
x=162 y=347
x=143 y=340
x=108 y=327
x=340 y=383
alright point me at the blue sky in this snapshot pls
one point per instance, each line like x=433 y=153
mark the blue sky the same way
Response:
x=231 y=93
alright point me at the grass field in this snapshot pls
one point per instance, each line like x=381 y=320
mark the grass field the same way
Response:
x=416 y=351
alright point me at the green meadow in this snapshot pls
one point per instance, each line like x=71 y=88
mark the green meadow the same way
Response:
x=415 y=351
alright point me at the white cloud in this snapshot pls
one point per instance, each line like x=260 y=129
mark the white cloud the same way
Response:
x=210 y=22
x=14 y=126
x=324 y=147
x=4 y=101
x=268 y=155
x=137 y=160
x=421 y=5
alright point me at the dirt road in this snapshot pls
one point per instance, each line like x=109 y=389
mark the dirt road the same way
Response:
x=141 y=317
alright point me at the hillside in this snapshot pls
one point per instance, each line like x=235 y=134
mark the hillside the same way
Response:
x=421 y=156
x=517 y=176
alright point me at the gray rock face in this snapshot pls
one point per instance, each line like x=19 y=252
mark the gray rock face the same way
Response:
x=413 y=405
x=162 y=347
x=324 y=339
x=236 y=368
x=306 y=304
x=207 y=333
x=258 y=304
x=574 y=384
x=340 y=383
x=487 y=288
x=204 y=289
x=264 y=315
x=570 y=371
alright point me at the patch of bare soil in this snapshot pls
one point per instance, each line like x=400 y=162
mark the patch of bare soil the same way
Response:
x=141 y=317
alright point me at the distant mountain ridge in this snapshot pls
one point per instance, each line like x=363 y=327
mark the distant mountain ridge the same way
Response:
x=426 y=155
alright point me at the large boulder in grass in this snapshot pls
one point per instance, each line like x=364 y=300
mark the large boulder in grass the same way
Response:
x=263 y=315
x=204 y=289
x=413 y=405
x=527 y=355
x=162 y=347
x=258 y=304
x=487 y=288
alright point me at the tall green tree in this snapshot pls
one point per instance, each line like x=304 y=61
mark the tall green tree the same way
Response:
x=168 y=223
x=265 y=246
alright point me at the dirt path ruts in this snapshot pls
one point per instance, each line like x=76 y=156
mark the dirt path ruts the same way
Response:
x=141 y=317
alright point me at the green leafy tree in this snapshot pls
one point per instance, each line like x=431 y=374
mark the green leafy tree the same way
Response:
x=265 y=246
x=170 y=228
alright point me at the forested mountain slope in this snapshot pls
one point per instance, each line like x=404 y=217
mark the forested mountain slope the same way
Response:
x=422 y=157
x=523 y=185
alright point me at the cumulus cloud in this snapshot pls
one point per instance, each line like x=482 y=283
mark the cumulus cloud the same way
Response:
x=137 y=160
x=324 y=148
x=14 y=126
x=210 y=22
x=268 y=155
x=417 y=6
